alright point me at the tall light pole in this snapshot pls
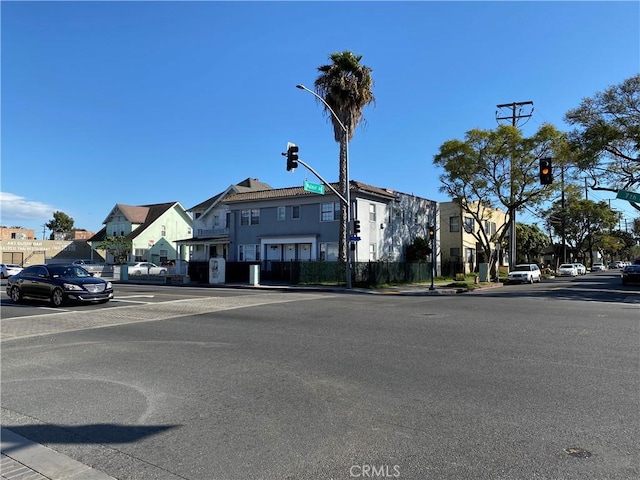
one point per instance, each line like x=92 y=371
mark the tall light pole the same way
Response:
x=347 y=250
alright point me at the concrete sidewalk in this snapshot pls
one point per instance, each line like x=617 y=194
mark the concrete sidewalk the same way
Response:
x=22 y=459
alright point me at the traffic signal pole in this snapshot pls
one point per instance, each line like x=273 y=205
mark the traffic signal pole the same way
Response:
x=514 y=117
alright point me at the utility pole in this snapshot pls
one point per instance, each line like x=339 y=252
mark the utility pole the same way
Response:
x=516 y=114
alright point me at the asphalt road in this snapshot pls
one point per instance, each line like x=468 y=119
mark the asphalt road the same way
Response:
x=520 y=382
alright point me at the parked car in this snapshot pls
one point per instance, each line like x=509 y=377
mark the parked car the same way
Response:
x=616 y=264
x=82 y=263
x=630 y=274
x=528 y=273
x=598 y=267
x=8 y=269
x=582 y=270
x=58 y=284
x=567 y=270
x=146 y=268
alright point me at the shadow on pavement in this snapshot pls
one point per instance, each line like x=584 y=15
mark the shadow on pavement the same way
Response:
x=99 y=433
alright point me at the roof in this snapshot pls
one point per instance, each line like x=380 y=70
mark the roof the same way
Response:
x=276 y=193
x=143 y=215
x=247 y=185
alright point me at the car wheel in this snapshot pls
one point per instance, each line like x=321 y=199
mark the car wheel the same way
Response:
x=57 y=297
x=163 y=272
x=138 y=272
x=16 y=295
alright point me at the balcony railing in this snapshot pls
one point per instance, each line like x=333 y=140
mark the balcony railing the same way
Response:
x=212 y=232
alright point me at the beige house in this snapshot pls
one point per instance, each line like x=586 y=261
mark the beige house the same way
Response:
x=461 y=234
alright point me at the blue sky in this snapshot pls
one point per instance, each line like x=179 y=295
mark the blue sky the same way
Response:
x=150 y=102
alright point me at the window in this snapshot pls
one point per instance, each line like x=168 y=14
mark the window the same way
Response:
x=490 y=227
x=295 y=212
x=249 y=253
x=372 y=212
x=330 y=212
x=140 y=254
x=329 y=252
x=216 y=220
x=164 y=256
x=469 y=225
x=250 y=216
x=454 y=252
x=372 y=252
x=280 y=215
x=454 y=224
x=470 y=254
x=163 y=230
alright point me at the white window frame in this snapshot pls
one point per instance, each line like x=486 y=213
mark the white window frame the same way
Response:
x=249 y=252
x=328 y=251
x=281 y=213
x=372 y=212
x=332 y=210
x=250 y=216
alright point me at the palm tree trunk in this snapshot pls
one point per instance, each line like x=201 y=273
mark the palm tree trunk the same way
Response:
x=342 y=245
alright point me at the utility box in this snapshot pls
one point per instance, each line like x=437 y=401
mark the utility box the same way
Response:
x=254 y=275
x=483 y=272
x=217 y=270
x=124 y=272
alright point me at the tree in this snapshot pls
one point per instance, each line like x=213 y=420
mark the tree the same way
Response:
x=119 y=247
x=531 y=242
x=60 y=223
x=607 y=140
x=482 y=170
x=420 y=250
x=584 y=223
x=346 y=85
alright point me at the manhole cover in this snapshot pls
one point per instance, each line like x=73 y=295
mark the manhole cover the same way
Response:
x=577 y=452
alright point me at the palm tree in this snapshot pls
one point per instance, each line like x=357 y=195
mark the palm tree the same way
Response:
x=346 y=86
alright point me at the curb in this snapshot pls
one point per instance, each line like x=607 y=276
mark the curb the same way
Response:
x=23 y=459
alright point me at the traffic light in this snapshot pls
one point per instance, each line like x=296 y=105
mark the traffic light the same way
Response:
x=546 y=171
x=292 y=157
x=356 y=227
x=432 y=233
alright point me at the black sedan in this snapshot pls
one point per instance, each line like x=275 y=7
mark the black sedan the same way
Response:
x=631 y=274
x=59 y=284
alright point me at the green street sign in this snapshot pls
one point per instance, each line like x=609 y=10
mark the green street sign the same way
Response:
x=630 y=196
x=314 y=187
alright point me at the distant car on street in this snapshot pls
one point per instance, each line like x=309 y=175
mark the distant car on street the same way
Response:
x=146 y=268
x=598 y=267
x=616 y=264
x=524 y=273
x=85 y=262
x=59 y=284
x=8 y=269
x=630 y=274
x=582 y=270
x=567 y=270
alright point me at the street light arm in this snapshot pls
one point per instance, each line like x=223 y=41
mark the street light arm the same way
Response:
x=302 y=87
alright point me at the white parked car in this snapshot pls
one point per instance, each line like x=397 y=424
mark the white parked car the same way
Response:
x=567 y=270
x=598 y=267
x=8 y=269
x=582 y=270
x=146 y=268
x=524 y=273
